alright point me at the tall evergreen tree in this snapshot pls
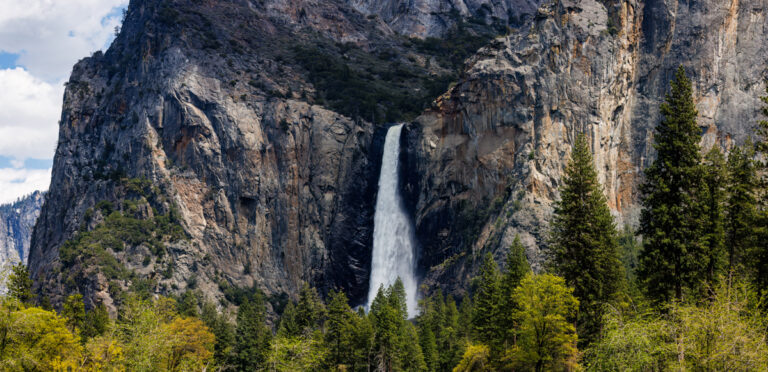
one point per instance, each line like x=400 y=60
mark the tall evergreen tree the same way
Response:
x=758 y=257
x=671 y=221
x=362 y=341
x=252 y=336
x=73 y=309
x=517 y=267
x=714 y=197
x=449 y=340
x=584 y=241
x=339 y=334
x=19 y=284
x=741 y=205
x=288 y=326
x=96 y=322
x=222 y=330
x=310 y=309
x=487 y=303
x=396 y=344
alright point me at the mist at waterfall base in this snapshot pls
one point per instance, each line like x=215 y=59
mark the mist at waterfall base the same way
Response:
x=393 y=242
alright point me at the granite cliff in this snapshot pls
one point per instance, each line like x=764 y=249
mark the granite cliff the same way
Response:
x=17 y=220
x=240 y=140
x=501 y=137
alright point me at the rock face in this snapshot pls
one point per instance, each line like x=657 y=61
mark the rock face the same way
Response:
x=432 y=18
x=485 y=163
x=217 y=106
x=16 y=223
x=252 y=126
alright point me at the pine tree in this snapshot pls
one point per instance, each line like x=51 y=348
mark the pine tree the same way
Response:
x=362 y=341
x=487 y=302
x=252 y=336
x=758 y=257
x=673 y=258
x=584 y=241
x=338 y=335
x=96 y=322
x=517 y=268
x=222 y=330
x=714 y=197
x=741 y=206
x=187 y=305
x=73 y=310
x=449 y=339
x=19 y=284
x=288 y=326
x=310 y=309
x=465 y=318
x=396 y=343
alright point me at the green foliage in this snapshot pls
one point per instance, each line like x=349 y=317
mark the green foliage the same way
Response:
x=187 y=305
x=674 y=256
x=151 y=336
x=395 y=342
x=33 y=339
x=339 y=332
x=725 y=333
x=223 y=331
x=487 y=301
x=364 y=87
x=741 y=206
x=630 y=248
x=475 y=359
x=713 y=197
x=547 y=338
x=96 y=248
x=390 y=86
x=584 y=241
x=96 y=322
x=302 y=353
x=252 y=336
x=517 y=267
x=73 y=310
x=310 y=310
x=19 y=284
x=439 y=332
x=758 y=257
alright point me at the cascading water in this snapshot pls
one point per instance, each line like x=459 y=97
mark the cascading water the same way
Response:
x=393 y=246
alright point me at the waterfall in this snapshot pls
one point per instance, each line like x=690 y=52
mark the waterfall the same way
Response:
x=393 y=242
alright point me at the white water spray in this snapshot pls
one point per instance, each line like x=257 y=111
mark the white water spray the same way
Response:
x=393 y=247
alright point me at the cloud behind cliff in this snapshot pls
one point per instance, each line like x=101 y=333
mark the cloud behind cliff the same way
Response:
x=40 y=41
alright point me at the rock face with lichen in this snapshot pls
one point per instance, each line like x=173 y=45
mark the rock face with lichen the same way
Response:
x=230 y=144
x=485 y=162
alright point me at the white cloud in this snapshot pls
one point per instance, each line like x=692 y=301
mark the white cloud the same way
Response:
x=51 y=35
x=29 y=113
x=15 y=183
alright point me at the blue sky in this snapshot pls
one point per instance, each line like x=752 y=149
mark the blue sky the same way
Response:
x=40 y=41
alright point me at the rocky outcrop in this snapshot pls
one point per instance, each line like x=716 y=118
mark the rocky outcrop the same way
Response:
x=486 y=161
x=16 y=223
x=433 y=18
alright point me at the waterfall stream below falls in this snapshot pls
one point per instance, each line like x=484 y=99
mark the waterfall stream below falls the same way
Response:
x=393 y=239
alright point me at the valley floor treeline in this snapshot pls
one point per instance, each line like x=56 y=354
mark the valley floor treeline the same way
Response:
x=685 y=292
